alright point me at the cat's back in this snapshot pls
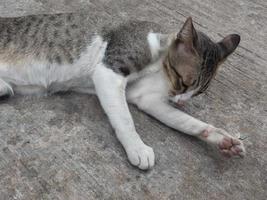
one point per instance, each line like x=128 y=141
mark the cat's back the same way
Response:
x=56 y=37
x=128 y=49
x=64 y=37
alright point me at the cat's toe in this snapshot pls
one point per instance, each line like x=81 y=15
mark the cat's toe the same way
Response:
x=231 y=147
x=141 y=156
x=228 y=145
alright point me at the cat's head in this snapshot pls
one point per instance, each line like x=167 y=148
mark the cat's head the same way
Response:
x=193 y=59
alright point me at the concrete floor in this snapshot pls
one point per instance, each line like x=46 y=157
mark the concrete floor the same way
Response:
x=62 y=147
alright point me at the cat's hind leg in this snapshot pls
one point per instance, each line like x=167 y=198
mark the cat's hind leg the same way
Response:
x=5 y=89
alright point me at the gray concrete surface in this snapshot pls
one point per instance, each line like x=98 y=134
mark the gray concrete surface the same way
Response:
x=62 y=147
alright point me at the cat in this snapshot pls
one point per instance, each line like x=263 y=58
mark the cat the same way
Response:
x=130 y=62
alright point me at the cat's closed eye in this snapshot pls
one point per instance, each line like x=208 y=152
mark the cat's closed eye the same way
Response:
x=193 y=58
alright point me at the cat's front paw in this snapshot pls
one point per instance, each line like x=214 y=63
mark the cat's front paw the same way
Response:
x=141 y=156
x=228 y=145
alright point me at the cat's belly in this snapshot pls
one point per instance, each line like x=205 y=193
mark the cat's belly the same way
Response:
x=28 y=75
x=41 y=77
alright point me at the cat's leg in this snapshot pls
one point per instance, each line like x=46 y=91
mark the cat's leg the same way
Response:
x=5 y=89
x=110 y=89
x=157 y=107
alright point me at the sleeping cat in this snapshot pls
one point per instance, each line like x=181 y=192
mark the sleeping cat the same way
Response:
x=133 y=62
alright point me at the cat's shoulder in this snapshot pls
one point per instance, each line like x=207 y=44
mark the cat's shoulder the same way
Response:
x=128 y=49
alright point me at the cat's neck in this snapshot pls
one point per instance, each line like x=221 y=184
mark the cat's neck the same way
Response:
x=155 y=83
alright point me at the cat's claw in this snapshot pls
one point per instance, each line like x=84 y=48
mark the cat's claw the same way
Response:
x=141 y=156
x=228 y=145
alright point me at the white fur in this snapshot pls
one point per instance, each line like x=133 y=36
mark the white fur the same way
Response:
x=5 y=89
x=110 y=89
x=183 y=97
x=150 y=69
x=154 y=44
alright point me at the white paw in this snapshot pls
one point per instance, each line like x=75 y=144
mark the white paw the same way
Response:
x=232 y=147
x=141 y=156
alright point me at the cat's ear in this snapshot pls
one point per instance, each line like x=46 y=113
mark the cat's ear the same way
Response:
x=228 y=45
x=188 y=33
